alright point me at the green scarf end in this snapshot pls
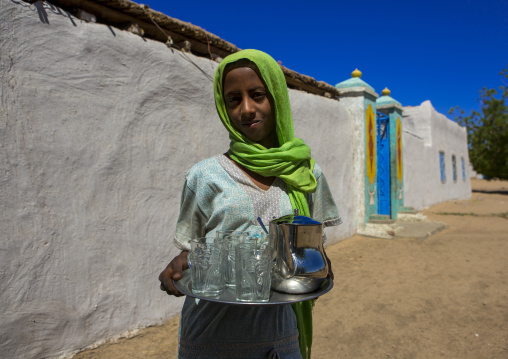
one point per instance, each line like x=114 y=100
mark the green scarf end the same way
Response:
x=303 y=312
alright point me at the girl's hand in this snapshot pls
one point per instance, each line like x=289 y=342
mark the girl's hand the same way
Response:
x=174 y=271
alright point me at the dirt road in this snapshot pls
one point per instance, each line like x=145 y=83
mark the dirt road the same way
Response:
x=444 y=297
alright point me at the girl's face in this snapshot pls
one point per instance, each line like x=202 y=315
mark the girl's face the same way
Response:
x=248 y=106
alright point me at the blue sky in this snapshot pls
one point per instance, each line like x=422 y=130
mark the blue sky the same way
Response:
x=442 y=51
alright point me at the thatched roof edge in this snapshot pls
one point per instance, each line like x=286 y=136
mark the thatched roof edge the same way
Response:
x=140 y=19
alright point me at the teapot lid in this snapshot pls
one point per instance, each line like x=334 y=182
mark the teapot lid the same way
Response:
x=304 y=220
x=295 y=219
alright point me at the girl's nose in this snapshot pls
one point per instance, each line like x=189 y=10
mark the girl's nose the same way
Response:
x=248 y=109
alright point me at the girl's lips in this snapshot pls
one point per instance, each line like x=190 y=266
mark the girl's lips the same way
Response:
x=251 y=124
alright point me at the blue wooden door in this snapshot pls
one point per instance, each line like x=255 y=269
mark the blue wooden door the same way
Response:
x=383 y=164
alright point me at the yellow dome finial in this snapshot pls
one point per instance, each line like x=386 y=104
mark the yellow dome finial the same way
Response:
x=356 y=73
x=386 y=92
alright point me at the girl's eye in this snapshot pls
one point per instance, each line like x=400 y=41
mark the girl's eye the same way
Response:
x=259 y=95
x=234 y=99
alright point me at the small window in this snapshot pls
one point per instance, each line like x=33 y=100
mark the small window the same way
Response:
x=442 y=166
x=454 y=168
x=463 y=169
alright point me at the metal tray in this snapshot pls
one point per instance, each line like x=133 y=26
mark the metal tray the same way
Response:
x=184 y=285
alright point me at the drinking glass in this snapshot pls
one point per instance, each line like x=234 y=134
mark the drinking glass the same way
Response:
x=253 y=272
x=231 y=239
x=207 y=263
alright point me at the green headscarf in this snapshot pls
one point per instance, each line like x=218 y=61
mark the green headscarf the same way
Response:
x=291 y=161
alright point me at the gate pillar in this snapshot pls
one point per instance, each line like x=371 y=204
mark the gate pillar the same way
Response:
x=359 y=98
x=393 y=109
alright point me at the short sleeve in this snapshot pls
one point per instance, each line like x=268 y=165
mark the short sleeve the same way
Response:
x=321 y=203
x=191 y=221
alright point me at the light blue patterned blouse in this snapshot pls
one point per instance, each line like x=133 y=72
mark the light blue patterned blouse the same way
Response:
x=217 y=195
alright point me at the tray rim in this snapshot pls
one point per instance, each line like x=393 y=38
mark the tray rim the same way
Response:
x=276 y=298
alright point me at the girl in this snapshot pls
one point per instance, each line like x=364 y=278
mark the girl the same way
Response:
x=266 y=173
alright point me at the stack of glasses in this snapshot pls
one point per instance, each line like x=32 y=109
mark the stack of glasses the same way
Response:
x=232 y=259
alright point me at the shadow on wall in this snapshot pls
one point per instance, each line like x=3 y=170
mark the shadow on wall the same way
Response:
x=41 y=7
x=503 y=192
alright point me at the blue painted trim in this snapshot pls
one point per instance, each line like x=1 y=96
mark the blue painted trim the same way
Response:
x=454 y=168
x=383 y=164
x=463 y=169
x=442 y=166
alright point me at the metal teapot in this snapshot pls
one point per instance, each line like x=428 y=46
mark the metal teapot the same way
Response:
x=300 y=265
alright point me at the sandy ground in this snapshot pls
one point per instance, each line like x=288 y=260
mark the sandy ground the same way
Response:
x=443 y=297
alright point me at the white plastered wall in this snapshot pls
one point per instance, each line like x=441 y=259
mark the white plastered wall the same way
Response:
x=425 y=133
x=327 y=128
x=355 y=107
x=97 y=129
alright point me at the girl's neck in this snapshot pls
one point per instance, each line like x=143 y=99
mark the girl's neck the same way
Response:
x=270 y=141
x=262 y=182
